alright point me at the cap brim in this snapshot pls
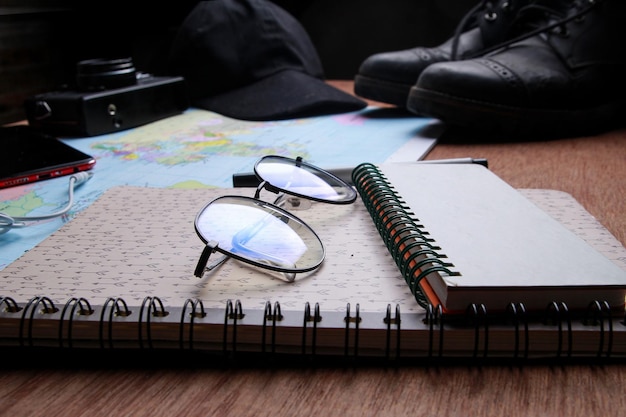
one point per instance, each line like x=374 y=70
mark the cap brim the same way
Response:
x=287 y=94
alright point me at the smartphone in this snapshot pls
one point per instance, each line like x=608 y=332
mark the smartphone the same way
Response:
x=28 y=155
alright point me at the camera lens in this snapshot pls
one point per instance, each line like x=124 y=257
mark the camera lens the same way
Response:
x=104 y=74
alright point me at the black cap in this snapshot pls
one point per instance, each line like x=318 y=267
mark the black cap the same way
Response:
x=252 y=60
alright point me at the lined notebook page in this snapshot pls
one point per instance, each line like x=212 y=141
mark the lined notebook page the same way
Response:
x=136 y=242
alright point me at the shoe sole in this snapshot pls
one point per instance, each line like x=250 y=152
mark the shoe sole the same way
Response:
x=490 y=118
x=382 y=90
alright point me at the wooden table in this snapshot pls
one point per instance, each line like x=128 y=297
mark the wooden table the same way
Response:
x=592 y=169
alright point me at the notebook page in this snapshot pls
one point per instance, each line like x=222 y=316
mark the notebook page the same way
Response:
x=570 y=213
x=136 y=242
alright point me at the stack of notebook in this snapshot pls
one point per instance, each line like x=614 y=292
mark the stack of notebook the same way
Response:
x=433 y=260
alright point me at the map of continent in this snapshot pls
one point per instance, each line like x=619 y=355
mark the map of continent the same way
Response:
x=194 y=137
x=19 y=201
x=200 y=149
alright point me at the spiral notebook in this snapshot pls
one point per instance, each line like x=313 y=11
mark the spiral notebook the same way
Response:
x=120 y=276
x=463 y=236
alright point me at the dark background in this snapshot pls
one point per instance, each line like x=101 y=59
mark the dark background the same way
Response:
x=41 y=40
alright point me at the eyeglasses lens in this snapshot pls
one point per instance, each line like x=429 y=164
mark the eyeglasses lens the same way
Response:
x=304 y=180
x=260 y=232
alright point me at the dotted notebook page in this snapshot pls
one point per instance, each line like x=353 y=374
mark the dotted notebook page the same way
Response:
x=564 y=208
x=138 y=242
x=135 y=242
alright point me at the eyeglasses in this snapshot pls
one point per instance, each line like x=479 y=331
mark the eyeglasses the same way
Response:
x=264 y=234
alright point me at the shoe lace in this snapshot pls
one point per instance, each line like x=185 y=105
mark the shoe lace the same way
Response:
x=543 y=16
x=470 y=20
x=530 y=19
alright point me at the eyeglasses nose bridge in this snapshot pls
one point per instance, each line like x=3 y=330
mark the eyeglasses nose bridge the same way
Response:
x=264 y=185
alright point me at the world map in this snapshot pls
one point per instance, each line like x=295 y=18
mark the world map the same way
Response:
x=203 y=149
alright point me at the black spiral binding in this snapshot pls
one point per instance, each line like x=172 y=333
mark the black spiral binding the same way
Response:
x=390 y=321
x=11 y=305
x=234 y=314
x=197 y=311
x=84 y=309
x=434 y=315
x=154 y=308
x=517 y=313
x=400 y=230
x=356 y=320
x=556 y=313
x=118 y=308
x=48 y=307
x=477 y=315
x=274 y=316
x=599 y=313
x=314 y=318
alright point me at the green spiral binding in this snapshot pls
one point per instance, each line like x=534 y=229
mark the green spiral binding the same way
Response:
x=405 y=239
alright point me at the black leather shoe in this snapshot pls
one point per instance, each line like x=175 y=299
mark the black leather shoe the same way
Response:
x=566 y=80
x=388 y=76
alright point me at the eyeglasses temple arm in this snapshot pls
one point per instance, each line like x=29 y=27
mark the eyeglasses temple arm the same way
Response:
x=209 y=248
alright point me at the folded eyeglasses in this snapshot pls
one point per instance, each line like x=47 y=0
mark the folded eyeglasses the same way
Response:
x=264 y=234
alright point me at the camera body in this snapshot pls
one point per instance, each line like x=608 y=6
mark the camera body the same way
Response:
x=110 y=96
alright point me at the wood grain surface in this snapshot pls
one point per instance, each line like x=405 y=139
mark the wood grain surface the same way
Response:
x=592 y=169
x=463 y=391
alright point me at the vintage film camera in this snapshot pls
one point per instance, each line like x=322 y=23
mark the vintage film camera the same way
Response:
x=110 y=95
